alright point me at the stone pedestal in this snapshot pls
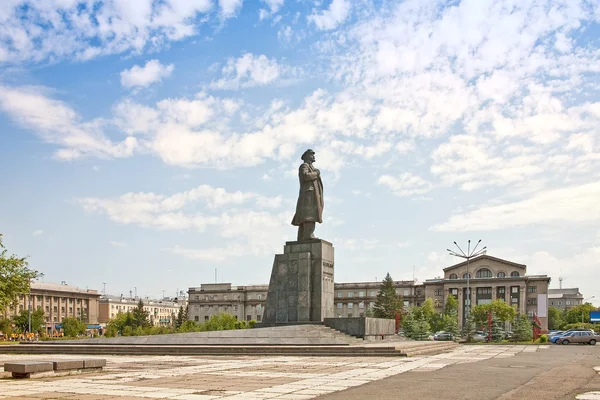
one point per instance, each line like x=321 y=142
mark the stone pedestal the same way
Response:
x=301 y=286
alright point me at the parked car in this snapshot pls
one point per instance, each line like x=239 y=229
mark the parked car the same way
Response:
x=443 y=336
x=480 y=336
x=555 y=337
x=584 y=337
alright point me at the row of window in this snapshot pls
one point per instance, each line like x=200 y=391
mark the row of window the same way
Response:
x=226 y=297
x=485 y=273
x=50 y=298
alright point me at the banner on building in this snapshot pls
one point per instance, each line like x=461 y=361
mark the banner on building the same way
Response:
x=594 y=316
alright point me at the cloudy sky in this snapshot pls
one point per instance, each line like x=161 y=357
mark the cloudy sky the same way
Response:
x=148 y=143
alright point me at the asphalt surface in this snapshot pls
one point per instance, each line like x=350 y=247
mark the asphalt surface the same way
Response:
x=560 y=372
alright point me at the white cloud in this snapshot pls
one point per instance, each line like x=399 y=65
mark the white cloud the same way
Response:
x=333 y=16
x=144 y=76
x=49 y=29
x=250 y=223
x=250 y=70
x=55 y=122
x=274 y=7
x=557 y=207
x=230 y=8
x=117 y=244
x=406 y=184
x=37 y=232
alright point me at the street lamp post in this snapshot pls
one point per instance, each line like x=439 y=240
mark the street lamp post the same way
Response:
x=582 y=303
x=468 y=255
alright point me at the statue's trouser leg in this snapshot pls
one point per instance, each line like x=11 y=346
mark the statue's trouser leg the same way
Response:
x=300 y=232
x=309 y=230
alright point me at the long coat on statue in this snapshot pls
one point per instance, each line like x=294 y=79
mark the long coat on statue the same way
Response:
x=310 y=200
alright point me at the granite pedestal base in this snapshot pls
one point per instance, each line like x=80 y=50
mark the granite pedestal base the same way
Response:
x=301 y=286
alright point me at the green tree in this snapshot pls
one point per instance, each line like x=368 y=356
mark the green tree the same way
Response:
x=179 y=320
x=468 y=329
x=421 y=329
x=221 y=322
x=522 y=328
x=6 y=326
x=15 y=277
x=500 y=309
x=451 y=306
x=73 y=327
x=21 y=321
x=408 y=324
x=388 y=301
x=140 y=316
x=555 y=318
x=189 y=326
x=579 y=314
x=497 y=330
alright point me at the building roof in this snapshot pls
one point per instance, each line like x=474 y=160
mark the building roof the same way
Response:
x=559 y=293
x=55 y=287
x=485 y=257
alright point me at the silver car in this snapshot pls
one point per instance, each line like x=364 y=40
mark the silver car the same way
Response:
x=587 y=337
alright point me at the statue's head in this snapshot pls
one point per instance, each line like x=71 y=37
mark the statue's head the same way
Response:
x=308 y=156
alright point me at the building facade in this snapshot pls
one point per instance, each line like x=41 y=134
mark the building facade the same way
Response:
x=353 y=299
x=563 y=299
x=58 y=302
x=243 y=302
x=491 y=278
x=161 y=312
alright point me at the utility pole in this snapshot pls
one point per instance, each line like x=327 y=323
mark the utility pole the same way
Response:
x=104 y=288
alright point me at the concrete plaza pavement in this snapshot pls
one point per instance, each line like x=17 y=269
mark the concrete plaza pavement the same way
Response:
x=560 y=372
x=477 y=372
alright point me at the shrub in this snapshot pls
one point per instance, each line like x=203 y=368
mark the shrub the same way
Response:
x=544 y=339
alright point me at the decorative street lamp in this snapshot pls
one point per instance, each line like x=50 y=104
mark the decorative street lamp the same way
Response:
x=468 y=255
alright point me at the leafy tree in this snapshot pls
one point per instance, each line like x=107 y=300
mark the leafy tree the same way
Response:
x=437 y=322
x=140 y=316
x=15 y=277
x=111 y=331
x=388 y=301
x=6 y=326
x=73 y=327
x=451 y=306
x=189 y=326
x=428 y=310
x=369 y=312
x=21 y=321
x=497 y=331
x=500 y=309
x=555 y=318
x=221 y=322
x=522 y=328
x=579 y=314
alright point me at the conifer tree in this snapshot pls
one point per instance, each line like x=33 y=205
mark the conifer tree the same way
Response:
x=388 y=301
x=179 y=321
x=497 y=331
x=139 y=316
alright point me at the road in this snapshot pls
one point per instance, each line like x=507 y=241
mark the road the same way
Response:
x=560 y=372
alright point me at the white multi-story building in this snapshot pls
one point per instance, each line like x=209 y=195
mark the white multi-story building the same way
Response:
x=161 y=312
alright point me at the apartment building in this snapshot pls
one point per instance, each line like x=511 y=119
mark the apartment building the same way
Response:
x=491 y=278
x=563 y=299
x=161 y=312
x=243 y=302
x=58 y=301
x=353 y=299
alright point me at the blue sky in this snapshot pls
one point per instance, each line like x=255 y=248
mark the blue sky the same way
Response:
x=147 y=143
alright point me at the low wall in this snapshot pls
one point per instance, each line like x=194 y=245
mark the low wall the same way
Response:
x=363 y=327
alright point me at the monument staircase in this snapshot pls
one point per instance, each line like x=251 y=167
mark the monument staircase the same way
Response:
x=291 y=340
